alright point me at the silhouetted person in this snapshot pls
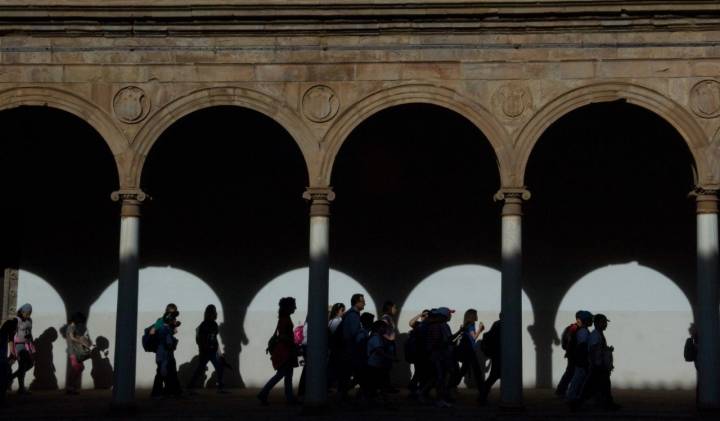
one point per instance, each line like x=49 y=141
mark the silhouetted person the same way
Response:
x=334 y=320
x=440 y=348
x=567 y=342
x=283 y=352
x=601 y=365
x=166 y=377
x=389 y=312
x=23 y=347
x=465 y=351
x=490 y=346
x=7 y=333
x=44 y=370
x=416 y=354
x=78 y=349
x=102 y=371
x=690 y=353
x=380 y=351
x=581 y=358
x=352 y=355
x=206 y=337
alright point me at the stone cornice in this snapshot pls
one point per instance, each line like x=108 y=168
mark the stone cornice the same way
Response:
x=208 y=17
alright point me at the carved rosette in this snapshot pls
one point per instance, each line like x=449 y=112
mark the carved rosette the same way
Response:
x=320 y=104
x=512 y=199
x=512 y=100
x=131 y=105
x=705 y=99
x=319 y=198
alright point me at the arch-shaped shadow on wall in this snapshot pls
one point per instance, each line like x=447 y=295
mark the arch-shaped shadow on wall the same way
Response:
x=261 y=316
x=157 y=287
x=649 y=317
x=49 y=313
x=463 y=287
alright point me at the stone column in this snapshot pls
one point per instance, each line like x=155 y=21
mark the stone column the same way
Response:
x=511 y=386
x=126 y=317
x=316 y=359
x=708 y=320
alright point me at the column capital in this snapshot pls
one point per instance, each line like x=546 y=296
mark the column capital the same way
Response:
x=130 y=201
x=320 y=198
x=512 y=198
x=706 y=199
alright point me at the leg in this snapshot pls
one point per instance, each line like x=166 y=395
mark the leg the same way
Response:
x=157 y=389
x=288 y=384
x=172 y=383
x=301 y=385
x=279 y=374
x=565 y=380
x=202 y=364
x=219 y=370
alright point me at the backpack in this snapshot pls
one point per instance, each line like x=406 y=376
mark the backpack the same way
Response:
x=336 y=341
x=149 y=340
x=567 y=339
x=414 y=344
x=298 y=335
x=690 y=351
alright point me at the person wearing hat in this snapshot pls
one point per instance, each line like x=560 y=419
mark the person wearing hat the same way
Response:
x=601 y=365
x=580 y=357
x=440 y=349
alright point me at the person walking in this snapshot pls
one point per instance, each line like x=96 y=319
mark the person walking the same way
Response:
x=353 y=356
x=79 y=347
x=490 y=347
x=334 y=351
x=439 y=347
x=206 y=337
x=23 y=347
x=166 y=377
x=283 y=352
x=380 y=361
x=600 y=356
x=465 y=351
x=416 y=354
x=567 y=342
x=7 y=333
x=581 y=359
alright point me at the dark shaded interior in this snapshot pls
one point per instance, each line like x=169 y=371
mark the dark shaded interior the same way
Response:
x=414 y=184
x=610 y=185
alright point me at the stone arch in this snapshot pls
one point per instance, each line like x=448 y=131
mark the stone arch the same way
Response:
x=641 y=96
x=646 y=329
x=220 y=96
x=444 y=97
x=75 y=105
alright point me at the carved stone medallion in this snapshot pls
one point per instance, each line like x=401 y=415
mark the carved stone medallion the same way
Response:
x=512 y=100
x=705 y=99
x=131 y=105
x=320 y=104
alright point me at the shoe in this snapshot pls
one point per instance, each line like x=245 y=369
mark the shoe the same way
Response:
x=24 y=391
x=223 y=391
x=72 y=392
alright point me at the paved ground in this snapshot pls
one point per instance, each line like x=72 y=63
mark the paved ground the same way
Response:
x=241 y=404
